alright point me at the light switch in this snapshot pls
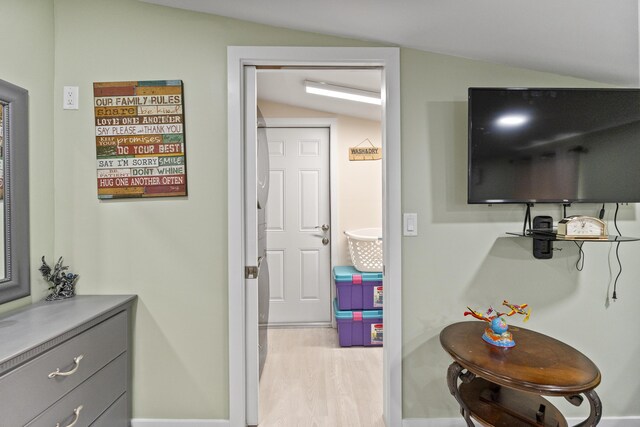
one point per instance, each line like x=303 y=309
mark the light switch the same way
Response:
x=411 y=224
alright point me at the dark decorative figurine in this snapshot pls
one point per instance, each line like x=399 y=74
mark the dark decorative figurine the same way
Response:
x=61 y=284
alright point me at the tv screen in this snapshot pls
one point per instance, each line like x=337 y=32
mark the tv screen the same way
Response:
x=554 y=145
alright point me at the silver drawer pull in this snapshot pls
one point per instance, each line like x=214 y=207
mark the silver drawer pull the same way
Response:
x=76 y=360
x=77 y=414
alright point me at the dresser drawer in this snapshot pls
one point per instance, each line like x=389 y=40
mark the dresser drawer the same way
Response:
x=28 y=390
x=94 y=396
x=115 y=416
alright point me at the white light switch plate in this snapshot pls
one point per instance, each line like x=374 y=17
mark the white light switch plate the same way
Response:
x=410 y=224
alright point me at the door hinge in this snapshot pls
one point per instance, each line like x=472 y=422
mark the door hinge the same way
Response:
x=251 y=272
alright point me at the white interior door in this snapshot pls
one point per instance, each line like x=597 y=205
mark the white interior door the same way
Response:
x=298 y=222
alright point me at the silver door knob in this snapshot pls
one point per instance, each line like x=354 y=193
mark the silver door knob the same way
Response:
x=323 y=227
x=325 y=241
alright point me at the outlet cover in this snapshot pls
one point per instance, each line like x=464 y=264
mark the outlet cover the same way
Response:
x=70 y=98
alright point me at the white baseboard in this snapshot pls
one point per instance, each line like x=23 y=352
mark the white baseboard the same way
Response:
x=433 y=422
x=459 y=422
x=408 y=422
x=145 y=422
x=611 y=421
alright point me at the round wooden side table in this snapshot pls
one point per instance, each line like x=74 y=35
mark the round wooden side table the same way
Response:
x=503 y=386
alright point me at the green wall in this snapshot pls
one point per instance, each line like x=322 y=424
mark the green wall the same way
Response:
x=173 y=252
x=463 y=257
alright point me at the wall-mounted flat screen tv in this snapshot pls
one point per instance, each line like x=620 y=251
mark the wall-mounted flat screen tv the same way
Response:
x=545 y=145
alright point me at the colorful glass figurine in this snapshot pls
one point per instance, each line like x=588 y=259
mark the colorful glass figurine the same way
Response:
x=497 y=333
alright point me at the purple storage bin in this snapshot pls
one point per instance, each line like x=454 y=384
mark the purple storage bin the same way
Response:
x=357 y=290
x=358 y=327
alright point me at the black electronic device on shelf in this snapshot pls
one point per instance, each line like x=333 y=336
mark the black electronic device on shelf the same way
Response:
x=543 y=248
x=553 y=145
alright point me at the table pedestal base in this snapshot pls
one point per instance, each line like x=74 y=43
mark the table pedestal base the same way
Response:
x=496 y=405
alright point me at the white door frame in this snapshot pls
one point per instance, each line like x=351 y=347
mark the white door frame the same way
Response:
x=334 y=222
x=389 y=61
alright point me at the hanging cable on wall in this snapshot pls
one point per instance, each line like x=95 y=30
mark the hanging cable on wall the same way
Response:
x=580 y=261
x=615 y=282
x=581 y=257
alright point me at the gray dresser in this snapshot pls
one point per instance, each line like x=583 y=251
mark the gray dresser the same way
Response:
x=67 y=363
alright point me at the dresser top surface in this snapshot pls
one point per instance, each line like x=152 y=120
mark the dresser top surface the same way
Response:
x=28 y=327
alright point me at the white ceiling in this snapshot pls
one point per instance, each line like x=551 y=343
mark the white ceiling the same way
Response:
x=590 y=39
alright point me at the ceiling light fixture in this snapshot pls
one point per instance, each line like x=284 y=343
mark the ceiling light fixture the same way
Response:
x=342 y=92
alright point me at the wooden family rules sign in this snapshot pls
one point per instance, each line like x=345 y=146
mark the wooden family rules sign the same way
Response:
x=140 y=144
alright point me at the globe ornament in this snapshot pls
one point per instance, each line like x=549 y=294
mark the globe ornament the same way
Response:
x=497 y=333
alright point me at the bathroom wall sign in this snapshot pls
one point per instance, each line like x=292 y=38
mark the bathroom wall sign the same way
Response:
x=364 y=152
x=140 y=145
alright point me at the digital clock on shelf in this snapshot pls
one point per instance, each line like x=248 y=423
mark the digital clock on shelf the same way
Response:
x=582 y=227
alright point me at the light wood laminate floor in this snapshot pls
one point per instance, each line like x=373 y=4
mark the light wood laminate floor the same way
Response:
x=310 y=381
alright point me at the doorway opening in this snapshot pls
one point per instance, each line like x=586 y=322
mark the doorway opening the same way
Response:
x=316 y=192
x=242 y=332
